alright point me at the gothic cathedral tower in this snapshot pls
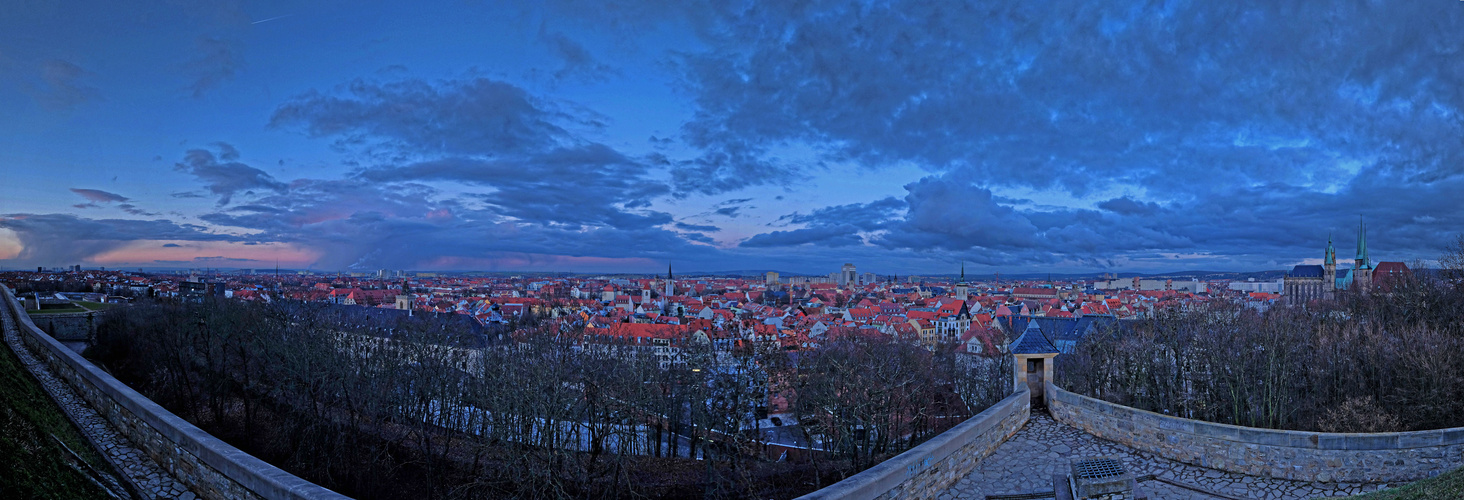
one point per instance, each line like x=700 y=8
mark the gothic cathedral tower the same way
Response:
x=1362 y=268
x=1329 y=274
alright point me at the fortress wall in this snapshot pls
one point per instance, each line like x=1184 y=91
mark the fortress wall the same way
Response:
x=1295 y=455
x=929 y=469
x=68 y=326
x=208 y=466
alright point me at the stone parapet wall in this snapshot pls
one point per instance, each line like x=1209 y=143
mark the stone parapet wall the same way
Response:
x=927 y=470
x=68 y=326
x=208 y=466
x=1294 y=455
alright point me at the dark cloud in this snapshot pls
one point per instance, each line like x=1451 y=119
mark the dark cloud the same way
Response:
x=835 y=226
x=543 y=180
x=217 y=62
x=1129 y=206
x=171 y=245
x=132 y=209
x=592 y=185
x=1075 y=96
x=572 y=202
x=97 y=195
x=579 y=63
x=1246 y=227
x=363 y=224
x=62 y=85
x=1248 y=128
x=829 y=235
x=697 y=227
x=475 y=116
x=729 y=165
x=47 y=239
x=223 y=175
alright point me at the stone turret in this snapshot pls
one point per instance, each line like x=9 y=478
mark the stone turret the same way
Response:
x=1032 y=366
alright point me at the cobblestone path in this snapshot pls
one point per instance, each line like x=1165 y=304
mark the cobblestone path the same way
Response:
x=1044 y=447
x=141 y=470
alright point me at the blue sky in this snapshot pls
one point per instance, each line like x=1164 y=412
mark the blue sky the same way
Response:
x=905 y=137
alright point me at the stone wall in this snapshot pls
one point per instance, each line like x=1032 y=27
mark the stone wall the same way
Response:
x=68 y=326
x=931 y=468
x=209 y=467
x=1295 y=455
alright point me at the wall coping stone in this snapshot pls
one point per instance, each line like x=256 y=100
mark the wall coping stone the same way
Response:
x=889 y=474
x=1271 y=437
x=252 y=473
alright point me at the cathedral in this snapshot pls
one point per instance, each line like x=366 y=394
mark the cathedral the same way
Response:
x=1312 y=282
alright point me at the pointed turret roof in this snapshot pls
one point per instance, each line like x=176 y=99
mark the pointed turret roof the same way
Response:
x=1362 y=260
x=1331 y=256
x=1033 y=341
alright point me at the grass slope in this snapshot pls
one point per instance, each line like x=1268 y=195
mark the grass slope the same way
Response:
x=1447 y=486
x=32 y=464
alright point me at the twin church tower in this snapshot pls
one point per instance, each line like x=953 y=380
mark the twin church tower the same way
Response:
x=1311 y=282
x=1361 y=272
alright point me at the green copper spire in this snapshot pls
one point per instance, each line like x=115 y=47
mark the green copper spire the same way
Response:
x=963 y=271
x=1362 y=260
x=1331 y=257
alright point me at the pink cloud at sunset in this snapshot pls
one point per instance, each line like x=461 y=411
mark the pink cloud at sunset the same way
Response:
x=9 y=245
x=214 y=253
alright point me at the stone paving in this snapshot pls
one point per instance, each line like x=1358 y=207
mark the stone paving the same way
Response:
x=140 y=470
x=1044 y=447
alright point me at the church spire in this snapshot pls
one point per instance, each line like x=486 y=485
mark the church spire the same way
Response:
x=1331 y=256
x=1362 y=260
x=963 y=271
x=668 y=272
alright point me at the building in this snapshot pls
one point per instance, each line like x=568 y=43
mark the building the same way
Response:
x=1151 y=285
x=1252 y=286
x=847 y=275
x=1362 y=270
x=1387 y=274
x=772 y=278
x=1306 y=283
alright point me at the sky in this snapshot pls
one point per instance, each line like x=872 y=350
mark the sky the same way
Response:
x=906 y=137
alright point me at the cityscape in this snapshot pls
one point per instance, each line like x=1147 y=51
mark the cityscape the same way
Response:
x=732 y=250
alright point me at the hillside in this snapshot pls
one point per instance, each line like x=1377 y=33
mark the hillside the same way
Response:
x=37 y=464
x=1447 y=486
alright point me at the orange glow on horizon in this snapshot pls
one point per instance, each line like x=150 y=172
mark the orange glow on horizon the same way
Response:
x=9 y=245
x=150 y=252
